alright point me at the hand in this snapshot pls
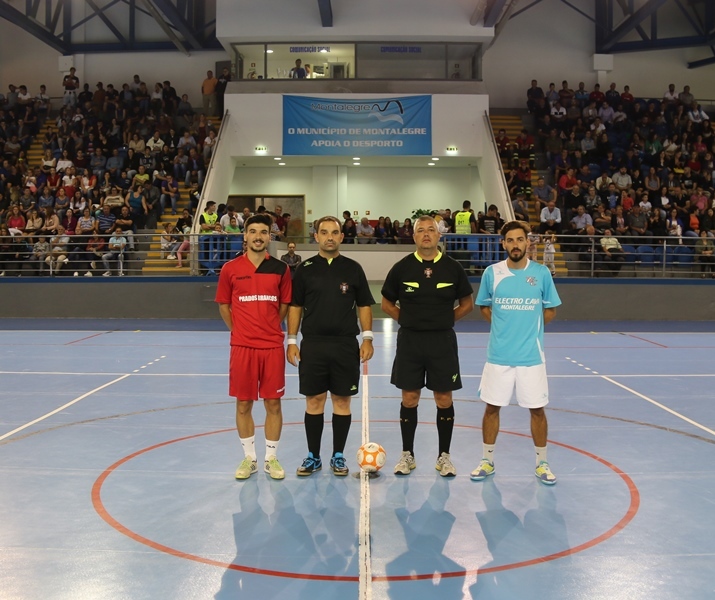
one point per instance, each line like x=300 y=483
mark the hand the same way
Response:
x=293 y=354
x=366 y=350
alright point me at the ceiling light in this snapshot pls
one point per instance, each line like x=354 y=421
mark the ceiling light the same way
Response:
x=277 y=158
x=357 y=164
x=281 y=164
x=430 y=164
x=269 y=51
x=435 y=158
x=356 y=158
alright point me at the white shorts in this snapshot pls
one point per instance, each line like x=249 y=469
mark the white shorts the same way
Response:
x=499 y=382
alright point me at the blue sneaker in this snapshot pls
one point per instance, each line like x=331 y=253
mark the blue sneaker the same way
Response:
x=338 y=465
x=309 y=466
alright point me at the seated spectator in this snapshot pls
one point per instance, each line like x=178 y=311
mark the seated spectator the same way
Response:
x=521 y=208
x=40 y=251
x=675 y=226
x=638 y=223
x=16 y=221
x=59 y=251
x=365 y=232
x=550 y=218
x=705 y=253
x=115 y=248
x=170 y=189
x=580 y=221
x=382 y=231
x=405 y=233
x=613 y=253
x=542 y=193
x=602 y=218
x=106 y=221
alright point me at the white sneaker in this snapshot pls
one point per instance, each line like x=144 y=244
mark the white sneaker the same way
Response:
x=246 y=468
x=444 y=466
x=76 y=274
x=274 y=468
x=171 y=257
x=406 y=463
x=88 y=274
x=107 y=274
x=93 y=265
x=66 y=260
x=2 y=274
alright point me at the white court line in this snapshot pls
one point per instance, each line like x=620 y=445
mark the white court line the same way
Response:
x=365 y=558
x=61 y=408
x=659 y=405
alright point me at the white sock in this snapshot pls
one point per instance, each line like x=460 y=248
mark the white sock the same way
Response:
x=488 y=452
x=249 y=446
x=271 y=448
x=540 y=455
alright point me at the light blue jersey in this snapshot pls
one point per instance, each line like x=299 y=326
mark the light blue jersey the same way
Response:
x=517 y=299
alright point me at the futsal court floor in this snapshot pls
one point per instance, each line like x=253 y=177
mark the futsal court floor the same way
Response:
x=118 y=448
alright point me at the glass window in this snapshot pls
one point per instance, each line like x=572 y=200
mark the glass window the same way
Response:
x=250 y=61
x=317 y=61
x=401 y=61
x=464 y=61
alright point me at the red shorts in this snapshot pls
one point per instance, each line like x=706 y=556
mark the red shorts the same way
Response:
x=255 y=373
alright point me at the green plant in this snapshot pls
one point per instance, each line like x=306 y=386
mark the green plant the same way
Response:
x=422 y=211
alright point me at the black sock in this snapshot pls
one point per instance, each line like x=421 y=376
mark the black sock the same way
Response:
x=408 y=426
x=314 y=432
x=341 y=428
x=445 y=425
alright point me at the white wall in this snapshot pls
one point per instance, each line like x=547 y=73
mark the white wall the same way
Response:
x=387 y=20
x=551 y=42
x=456 y=121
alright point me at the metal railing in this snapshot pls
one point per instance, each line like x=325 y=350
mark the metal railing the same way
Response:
x=176 y=254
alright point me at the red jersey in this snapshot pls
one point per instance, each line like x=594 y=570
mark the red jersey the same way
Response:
x=255 y=296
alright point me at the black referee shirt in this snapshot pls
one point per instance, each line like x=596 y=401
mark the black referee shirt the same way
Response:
x=328 y=290
x=427 y=291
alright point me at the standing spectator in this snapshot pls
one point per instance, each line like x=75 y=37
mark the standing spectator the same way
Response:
x=426 y=352
x=70 y=83
x=223 y=80
x=515 y=356
x=297 y=72
x=349 y=228
x=291 y=258
x=208 y=93
x=326 y=289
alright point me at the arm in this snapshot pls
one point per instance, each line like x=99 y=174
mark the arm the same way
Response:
x=465 y=306
x=486 y=313
x=295 y=314
x=283 y=311
x=365 y=316
x=390 y=308
x=225 y=312
x=549 y=314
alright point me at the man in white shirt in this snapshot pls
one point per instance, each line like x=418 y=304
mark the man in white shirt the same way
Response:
x=365 y=232
x=550 y=218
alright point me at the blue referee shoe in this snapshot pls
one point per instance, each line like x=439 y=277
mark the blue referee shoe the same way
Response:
x=309 y=466
x=338 y=465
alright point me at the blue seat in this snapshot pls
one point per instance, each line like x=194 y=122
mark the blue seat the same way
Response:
x=234 y=245
x=631 y=253
x=684 y=255
x=646 y=255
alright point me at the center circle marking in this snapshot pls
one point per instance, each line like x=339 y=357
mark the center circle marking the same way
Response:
x=110 y=520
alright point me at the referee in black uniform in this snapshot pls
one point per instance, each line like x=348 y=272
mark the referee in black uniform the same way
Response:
x=326 y=289
x=426 y=284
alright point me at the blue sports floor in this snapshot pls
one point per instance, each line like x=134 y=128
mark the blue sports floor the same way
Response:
x=118 y=448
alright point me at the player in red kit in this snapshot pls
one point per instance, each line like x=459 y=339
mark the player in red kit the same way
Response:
x=253 y=294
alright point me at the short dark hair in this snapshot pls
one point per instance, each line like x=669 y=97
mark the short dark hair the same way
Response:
x=466 y=204
x=512 y=225
x=261 y=219
x=327 y=218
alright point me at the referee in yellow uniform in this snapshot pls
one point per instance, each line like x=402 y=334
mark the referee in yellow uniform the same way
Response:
x=427 y=284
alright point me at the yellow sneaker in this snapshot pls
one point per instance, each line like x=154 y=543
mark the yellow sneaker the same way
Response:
x=247 y=468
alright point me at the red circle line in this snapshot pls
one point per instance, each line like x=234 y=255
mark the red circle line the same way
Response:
x=110 y=520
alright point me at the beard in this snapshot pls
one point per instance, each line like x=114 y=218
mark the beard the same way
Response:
x=517 y=254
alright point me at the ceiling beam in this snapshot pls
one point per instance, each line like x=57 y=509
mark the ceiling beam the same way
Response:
x=33 y=27
x=177 y=20
x=106 y=21
x=493 y=13
x=645 y=11
x=326 y=13
x=167 y=30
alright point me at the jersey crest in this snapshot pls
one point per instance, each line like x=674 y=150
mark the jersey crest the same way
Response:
x=344 y=288
x=531 y=280
x=428 y=272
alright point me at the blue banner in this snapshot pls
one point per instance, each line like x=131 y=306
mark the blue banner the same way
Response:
x=375 y=127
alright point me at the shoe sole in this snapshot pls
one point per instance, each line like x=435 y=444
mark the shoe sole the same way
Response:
x=244 y=478
x=545 y=482
x=453 y=474
x=340 y=473
x=412 y=468
x=274 y=476
x=481 y=477
x=306 y=474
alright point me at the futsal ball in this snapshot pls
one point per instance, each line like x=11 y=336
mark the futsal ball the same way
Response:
x=371 y=457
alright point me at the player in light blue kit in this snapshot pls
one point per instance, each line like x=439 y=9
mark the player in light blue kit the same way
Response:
x=518 y=297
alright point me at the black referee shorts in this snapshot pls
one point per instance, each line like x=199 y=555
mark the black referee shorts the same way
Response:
x=329 y=364
x=426 y=359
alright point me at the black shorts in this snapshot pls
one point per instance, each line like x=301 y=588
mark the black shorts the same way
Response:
x=329 y=364
x=426 y=358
